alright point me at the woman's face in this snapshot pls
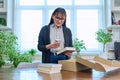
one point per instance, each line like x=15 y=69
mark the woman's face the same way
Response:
x=58 y=19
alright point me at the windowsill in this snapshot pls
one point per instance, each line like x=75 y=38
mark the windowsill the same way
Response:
x=89 y=53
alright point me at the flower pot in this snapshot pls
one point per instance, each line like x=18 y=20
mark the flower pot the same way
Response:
x=104 y=55
x=111 y=55
x=75 y=55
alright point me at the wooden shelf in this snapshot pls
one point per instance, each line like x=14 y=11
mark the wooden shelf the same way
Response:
x=114 y=26
x=4 y=28
x=3 y=7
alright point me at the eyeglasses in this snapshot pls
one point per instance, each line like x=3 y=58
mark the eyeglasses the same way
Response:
x=58 y=18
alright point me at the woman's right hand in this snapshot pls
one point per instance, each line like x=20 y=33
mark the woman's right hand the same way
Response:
x=53 y=45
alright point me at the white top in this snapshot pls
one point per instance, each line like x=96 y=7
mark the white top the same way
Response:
x=56 y=34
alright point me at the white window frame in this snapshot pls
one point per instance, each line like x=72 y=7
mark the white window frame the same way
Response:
x=73 y=16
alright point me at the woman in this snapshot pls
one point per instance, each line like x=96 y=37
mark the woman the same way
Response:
x=54 y=37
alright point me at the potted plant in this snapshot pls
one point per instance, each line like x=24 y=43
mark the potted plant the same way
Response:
x=21 y=57
x=103 y=36
x=7 y=45
x=15 y=56
x=78 y=45
x=32 y=52
x=9 y=51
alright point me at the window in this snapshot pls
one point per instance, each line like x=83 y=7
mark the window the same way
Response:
x=86 y=2
x=59 y=2
x=87 y=25
x=31 y=2
x=30 y=27
x=84 y=18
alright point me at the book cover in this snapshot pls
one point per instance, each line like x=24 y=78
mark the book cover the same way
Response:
x=71 y=49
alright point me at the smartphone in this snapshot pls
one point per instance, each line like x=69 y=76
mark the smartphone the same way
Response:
x=57 y=40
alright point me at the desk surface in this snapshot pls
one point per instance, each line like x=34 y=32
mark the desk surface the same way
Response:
x=32 y=74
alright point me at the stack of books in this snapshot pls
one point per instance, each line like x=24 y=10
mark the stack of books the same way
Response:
x=49 y=68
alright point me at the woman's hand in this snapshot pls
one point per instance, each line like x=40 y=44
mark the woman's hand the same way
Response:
x=53 y=45
x=68 y=53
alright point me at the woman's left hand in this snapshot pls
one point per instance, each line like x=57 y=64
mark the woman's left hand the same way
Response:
x=68 y=53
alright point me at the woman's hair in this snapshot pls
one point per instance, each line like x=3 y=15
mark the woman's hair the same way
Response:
x=57 y=11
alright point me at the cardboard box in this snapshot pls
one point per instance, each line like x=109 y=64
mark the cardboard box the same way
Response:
x=72 y=65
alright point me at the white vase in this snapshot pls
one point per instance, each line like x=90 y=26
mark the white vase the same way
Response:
x=75 y=55
x=104 y=55
x=111 y=54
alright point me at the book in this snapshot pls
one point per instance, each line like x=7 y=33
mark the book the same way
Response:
x=48 y=72
x=49 y=65
x=55 y=76
x=99 y=64
x=49 y=68
x=71 y=49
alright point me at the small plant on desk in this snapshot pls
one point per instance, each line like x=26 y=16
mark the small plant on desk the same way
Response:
x=103 y=36
x=78 y=45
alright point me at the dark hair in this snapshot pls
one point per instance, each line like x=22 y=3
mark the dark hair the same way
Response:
x=57 y=11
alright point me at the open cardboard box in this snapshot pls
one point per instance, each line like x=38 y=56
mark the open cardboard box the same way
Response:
x=100 y=64
x=72 y=65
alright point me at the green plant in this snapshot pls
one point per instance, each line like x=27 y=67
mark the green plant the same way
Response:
x=78 y=45
x=21 y=57
x=7 y=45
x=32 y=51
x=103 y=37
x=2 y=61
x=9 y=51
x=3 y=21
x=16 y=56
